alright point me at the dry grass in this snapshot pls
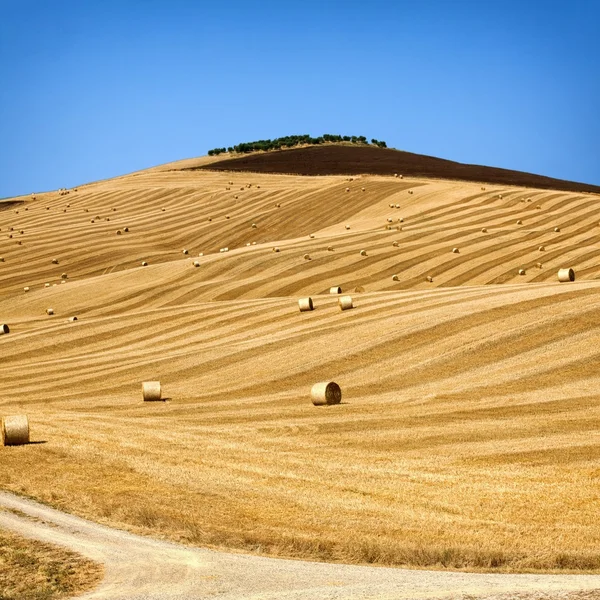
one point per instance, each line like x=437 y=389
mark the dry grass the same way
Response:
x=31 y=570
x=469 y=432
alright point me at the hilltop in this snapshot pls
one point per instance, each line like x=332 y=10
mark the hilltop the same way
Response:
x=339 y=159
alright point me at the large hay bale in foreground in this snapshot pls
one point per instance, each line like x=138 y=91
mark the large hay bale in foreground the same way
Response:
x=566 y=275
x=326 y=393
x=305 y=304
x=15 y=430
x=151 y=391
x=345 y=302
x=4 y=328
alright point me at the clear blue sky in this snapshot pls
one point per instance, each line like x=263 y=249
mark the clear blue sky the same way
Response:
x=93 y=89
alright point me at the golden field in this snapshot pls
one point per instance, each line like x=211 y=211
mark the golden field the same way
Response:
x=469 y=430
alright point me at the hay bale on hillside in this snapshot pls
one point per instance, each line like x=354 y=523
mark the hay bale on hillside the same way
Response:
x=455 y=250
x=542 y=248
x=307 y=257
x=305 y=304
x=72 y=319
x=224 y=249
x=557 y=229
x=49 y=311
x=329 y=248
x=336 y=289
x=144 y=264
x=185 y=251
x=26 y=288
x=118 y=232
x=126 y=229
x=151 y=391
x=15 y=430
x=347 y=189
x=538 y=207
x=395 y=278
x=391 y=206
x=500 y=196
x=397 y=206
x=1 y=258
x=484 y=230
x=46 y=285
x=362 y=189
x=566 y=275
x=55 y=261
x=196 y=263
x=429 y=278
x=4 y=328
x=326 y=393
x=345 y=302
x=275 y=249
x=363 y=253
x=539 y=265
x=359 y=289
x=347 y=227
x=312 y=236
x=519 y=222
x=254 y=225
x=64 y=276
x=395 y=244
x=390 y=220
x=522 y=272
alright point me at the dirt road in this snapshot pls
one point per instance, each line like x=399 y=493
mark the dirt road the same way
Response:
x=139 y=568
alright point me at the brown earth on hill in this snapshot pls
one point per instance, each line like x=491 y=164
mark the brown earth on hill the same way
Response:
x=334 y=159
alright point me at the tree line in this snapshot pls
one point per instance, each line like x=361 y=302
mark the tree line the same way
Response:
x=289 y=141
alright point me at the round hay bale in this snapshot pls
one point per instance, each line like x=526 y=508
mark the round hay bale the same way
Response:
x=227 y=217
x=522 y=272
x=55 y=261
x=163 y=209
x=107 y=219
x=362 y=189
x=397 y=206
x=254 y=243
x=46 y=285
x=329 y=248
x=196 y=263
x=118 y=232
x=542 y=248
x=312 y=236
x=236 y=196
x=326 y=393
x=185 y=251
x=539 y=265
x=114 y=209
x=347 y=189
x=144 y=263
x=483 y=189
x=15 y=430
x=484 y=230
x=429 y=278
x=151 y=391
x=49 y=311
x=390 y=220
x=306 y=257
x=395 y=244
x=276 y=249
x=254 y=225
x=64 y=276
x=500 y=196
x=359 y=289
x=1 y=258
x=395 y=278
x=278 y=205
x=336 y=289
x=395 y=174
x=4 y=328
x=201 y=254
x=305 y=304
x=92 y=221
x=126 y=229
x=72 y=319
x=26 y=289
x=345 y=302
x=566 y=275
x=455 y=250
x=363 y=253
x=519 y=222
x=556 y=229
x=347 y=227
x=528 y=199
x=391 y=206
x=401 y=220
x=209 y=219
x=538 y=207
x=258 y=187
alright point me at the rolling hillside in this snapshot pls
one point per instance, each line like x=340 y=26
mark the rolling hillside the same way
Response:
x=469 y=433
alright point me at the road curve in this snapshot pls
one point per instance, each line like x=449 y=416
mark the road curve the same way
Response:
x=140 y=568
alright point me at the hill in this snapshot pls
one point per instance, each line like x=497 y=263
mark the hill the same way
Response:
x=335 y=159
x=468 y=433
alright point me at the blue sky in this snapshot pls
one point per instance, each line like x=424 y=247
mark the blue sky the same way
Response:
x=91 y=90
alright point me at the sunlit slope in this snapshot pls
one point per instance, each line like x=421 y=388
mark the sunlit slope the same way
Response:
x=202 y=216
x=468 y=436
x=470 y=429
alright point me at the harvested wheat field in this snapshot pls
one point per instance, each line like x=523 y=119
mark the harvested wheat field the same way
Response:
x=468 y=435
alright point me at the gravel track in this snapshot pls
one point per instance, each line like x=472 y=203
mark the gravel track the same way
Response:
x=140 y=568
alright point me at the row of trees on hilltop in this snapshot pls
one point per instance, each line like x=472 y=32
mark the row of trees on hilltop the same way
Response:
x=289 y=141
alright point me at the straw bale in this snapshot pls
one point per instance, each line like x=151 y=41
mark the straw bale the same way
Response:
x=49 y=311
x=72 y=319
x=15 y=430
x=196 y=263
x=519 y=222
x=276 y=249
x=566 y=275
x=359 y=289
x=455 y=250
x=151 y=391
x=363 y=253
x=144 y=264
x=4 y=328
x=395 y=278
x=345 y=302
x=305 y=304
x=336 y=289
x=306 y=257
x=26 y=289
x=347 y=227
x=557 y=229
x=484 y=230
x=522 y=272
x=326 y=393
x=542 y=248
